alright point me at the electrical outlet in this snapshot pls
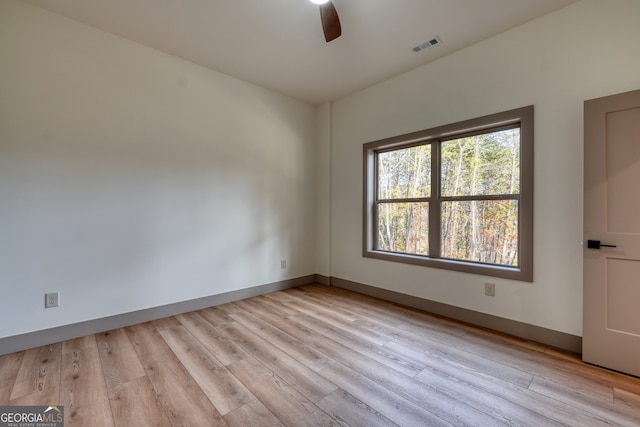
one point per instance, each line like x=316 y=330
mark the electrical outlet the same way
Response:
x=52 y=300
x=283 y=263
x=490 y=289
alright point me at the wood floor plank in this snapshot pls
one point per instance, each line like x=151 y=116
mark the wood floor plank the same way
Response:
x=510 y=341
x=539 y=408
x=389 y=404
x=425 y=350
x=444 y=403
x=336 y=351
x=294 y=347
x=285 y=402
x=180 y=396
x=81 y=343
x=83 y=391
x=215 y=341
x=388 y=312
x=272 y=303
x=224 y=390
x=626 y=398
x=378 y=353
x=412 y=332
x=120 y=362
x=5 y=394
x=590 y=380
x=297 y=375
x=50 y=396
x=147 y=342
x=265 y=307
x=391 y=379
x=215 y=316
x=135 y=404
x=350 y=411
x=166 y=323
x=389 y=324
x=377 y=372
x=345 y=323
x=479 y=395
x=330 y=309
x=253 y=413
x=602 y=409
x=9 y=366
x=223 y=311
x=39 y=370
x=361 y=309
x=184 y=403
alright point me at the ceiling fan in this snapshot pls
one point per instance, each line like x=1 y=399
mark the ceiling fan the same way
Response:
x=329 y=18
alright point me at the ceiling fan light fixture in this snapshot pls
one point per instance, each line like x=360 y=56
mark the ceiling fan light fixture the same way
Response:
x=319 y=1
x=330 y=21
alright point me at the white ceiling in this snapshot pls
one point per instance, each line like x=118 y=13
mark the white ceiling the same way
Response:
x=278 y=44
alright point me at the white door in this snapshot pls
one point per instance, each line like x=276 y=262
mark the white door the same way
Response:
x=611 y=325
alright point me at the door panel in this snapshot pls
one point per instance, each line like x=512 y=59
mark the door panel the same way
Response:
x=623 y=170
x=622 y=296
x=611 y=311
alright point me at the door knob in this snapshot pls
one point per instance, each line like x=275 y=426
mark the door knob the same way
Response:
x=595 y=244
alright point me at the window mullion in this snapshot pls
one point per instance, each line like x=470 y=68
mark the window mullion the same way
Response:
x=374 y=214
x=405 y=200
x=480 y=197
x=434 y=203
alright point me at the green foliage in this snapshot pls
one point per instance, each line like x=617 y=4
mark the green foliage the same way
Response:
x=486 y=164
x=405 y=173
x=404 y=227
x=480 y=230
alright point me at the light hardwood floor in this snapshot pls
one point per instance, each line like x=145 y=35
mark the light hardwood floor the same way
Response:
x=315 y=355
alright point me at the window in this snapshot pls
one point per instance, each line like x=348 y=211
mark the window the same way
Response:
x=458 y=197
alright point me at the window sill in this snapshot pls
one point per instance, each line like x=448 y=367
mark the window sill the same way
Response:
x=513 y=273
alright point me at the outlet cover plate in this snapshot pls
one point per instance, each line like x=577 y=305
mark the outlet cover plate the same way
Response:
x=51 y=300
x=490 y=289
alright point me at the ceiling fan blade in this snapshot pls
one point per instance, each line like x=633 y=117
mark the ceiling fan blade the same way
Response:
x=330 y=21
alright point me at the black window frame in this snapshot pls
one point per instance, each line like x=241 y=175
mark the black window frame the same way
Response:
x=520 y=117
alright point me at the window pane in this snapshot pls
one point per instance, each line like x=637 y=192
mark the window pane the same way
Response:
x=487 y=164
x=480 y=230
x=405 y=173
x=404 y=227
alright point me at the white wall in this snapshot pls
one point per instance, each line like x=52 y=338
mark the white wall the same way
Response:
x=131 y=179
x=587 y=50
x=323 y=193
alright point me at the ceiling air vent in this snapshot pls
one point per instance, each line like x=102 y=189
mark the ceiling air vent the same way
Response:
x=427 y=44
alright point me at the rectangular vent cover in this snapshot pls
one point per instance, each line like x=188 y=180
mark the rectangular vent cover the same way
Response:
x=427 y=44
